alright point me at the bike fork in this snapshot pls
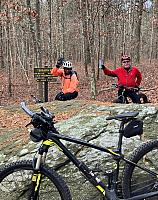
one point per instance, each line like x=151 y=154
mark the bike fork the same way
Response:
x=36 y=178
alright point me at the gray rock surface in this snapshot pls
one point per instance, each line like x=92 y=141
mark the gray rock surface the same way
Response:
x=90 y=124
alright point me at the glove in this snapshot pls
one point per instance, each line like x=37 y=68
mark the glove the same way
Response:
x=59 y=62
x=58 y=66
x=101 y=64
x=137 y=88
x=101 y=67
x=121 y=87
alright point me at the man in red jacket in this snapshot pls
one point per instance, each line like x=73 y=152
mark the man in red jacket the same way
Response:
x=128 y=76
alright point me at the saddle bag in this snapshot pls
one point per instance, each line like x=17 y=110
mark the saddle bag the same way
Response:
x=133 y=128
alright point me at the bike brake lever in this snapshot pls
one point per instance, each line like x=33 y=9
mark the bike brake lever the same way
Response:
x=47 y=113
x=28 y=124
x=114 y=85
x=44 y=110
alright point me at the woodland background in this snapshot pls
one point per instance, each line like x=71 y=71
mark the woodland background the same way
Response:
x=34 y=33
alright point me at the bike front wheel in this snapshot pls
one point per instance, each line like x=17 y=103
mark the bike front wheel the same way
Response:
x=143 y=98
x=137 y=181
x=15 y=183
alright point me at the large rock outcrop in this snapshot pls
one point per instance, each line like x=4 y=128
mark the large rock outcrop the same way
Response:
x=87 y=122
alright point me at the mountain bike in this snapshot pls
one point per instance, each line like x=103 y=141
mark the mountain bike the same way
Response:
x=33 y=179
x=125 y=98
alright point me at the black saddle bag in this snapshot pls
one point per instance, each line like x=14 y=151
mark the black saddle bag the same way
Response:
x=133 y=128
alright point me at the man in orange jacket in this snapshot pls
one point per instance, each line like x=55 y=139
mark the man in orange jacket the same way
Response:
x=128 y=76
x=69 y=80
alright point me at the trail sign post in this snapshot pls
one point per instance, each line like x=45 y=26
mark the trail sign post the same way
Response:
x=43 y=74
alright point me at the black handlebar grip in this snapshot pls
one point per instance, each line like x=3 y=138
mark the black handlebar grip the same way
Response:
x=40 y=118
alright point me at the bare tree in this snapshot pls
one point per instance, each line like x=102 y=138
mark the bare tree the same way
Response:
x=1 y=41
x=154 y=32
x=86 y=45
x=36 y=32
x=50 y=46
x=139 y=11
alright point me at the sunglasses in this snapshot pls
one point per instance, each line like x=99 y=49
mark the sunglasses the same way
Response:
x=67 y=68
x=126 y=61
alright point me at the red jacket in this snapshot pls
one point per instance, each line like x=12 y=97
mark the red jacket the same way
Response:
x=69 y=82
x=126 y=78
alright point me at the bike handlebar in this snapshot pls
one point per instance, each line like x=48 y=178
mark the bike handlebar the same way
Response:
x=26 y=109
x=115 y=85
x=44 y=117
x=119 y=86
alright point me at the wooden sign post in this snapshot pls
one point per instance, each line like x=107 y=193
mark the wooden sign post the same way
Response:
x=43 y=74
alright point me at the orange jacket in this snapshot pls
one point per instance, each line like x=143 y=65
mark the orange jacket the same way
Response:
x=69 y=82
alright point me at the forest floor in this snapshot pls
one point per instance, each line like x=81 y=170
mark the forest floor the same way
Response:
x=13 y=119
x=22 y=86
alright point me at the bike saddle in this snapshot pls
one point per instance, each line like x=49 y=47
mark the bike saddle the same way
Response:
x=123 y=116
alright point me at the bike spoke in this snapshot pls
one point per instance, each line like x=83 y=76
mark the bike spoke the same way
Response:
x=16 y=186
x=143 y=187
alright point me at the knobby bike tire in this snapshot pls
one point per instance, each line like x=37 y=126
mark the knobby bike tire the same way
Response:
x=143 y=98
x=136 y=181
x=15 y=182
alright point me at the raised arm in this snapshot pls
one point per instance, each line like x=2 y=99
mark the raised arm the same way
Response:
x=109 y=72
x=56 y=71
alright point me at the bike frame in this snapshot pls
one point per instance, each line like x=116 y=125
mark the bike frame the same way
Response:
x=109 y=191
x=126 y=98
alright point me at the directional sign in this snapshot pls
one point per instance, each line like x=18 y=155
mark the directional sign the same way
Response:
x=43 y=74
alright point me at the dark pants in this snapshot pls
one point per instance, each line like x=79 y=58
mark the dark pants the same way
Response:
x=128 y=93
x=64 y=97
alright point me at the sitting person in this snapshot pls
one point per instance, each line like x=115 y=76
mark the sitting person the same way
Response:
x=128 y=76
x=69 y=80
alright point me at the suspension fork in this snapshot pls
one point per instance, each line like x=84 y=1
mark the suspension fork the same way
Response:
x=37 y=176
x=124 y=97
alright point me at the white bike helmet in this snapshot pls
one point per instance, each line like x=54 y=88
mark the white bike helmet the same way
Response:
x=67 y=64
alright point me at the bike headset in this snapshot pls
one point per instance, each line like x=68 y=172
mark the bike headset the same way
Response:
x=42 y=123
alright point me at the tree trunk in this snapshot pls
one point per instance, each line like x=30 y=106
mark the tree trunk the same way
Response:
x=138 y=31
x=86 y=46
x=91 y=30
x=40 y=84
x=99 y=45
x=151 y=39
x=32 y=29
x=2 y=65
x=50 y=32
x=9 y=59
